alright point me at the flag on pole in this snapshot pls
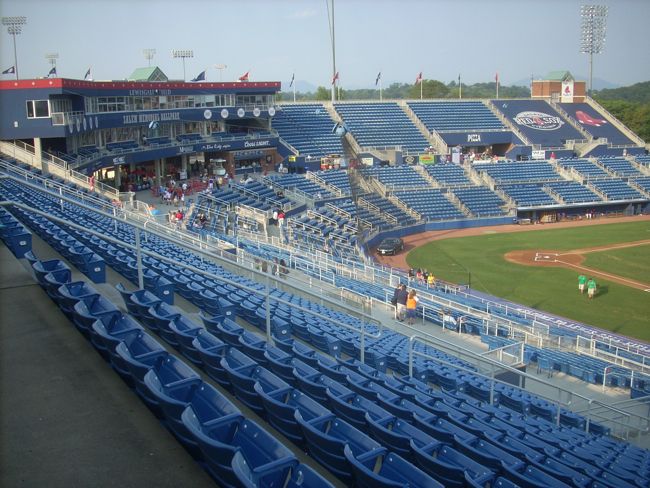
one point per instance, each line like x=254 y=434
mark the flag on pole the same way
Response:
x=378 y=78
x=89 y=74
x=200 y=77
x=246 y=77
x=458 y=79
x=419 y=78
x=496 y=78
x=52 y=72
x=292 y=78
x=9 y=71
x=336 y=77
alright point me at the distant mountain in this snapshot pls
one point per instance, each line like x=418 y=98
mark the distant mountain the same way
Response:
x=599 y=83
x=301 y=87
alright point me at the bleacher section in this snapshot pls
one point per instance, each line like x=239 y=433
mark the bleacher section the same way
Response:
x=318 y=399
x=382 y=124
x=518 y=172
x=539 y=122
x=336 y=178
x=572 y=192
x=619 y=166
x=528 y=195
x=308 y=128
x=479 y=200
x=643 y=183
x=391 y=212
x=396 y=177
x=466 y=115
x=448 y=174
x=430 y=204
x=616 y=189
x=297 y=182
x=585 y=168
x=596 y=124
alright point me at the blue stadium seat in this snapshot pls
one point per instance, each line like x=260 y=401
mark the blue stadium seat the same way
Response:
x=280 y=406
x=301 y=476
x=130 y=305
x=106 y=334
x=174 y=385
x=385 y=469
x=326 y=440
x=212 y=350
x=396 y=435
x=220 y=440
x=528 y=476
x=87 y=310
x=448 y=465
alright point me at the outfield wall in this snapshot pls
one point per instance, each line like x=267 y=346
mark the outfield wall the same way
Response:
x=444 y=225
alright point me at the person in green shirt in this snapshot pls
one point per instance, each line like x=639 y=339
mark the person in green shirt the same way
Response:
x=591 y=287
x=582 y=279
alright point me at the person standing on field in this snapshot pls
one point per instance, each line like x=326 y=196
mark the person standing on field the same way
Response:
x=582 y=280
x=591 y=287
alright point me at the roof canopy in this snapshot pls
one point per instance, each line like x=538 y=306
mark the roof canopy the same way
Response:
x=560 y=76
x=150 y=74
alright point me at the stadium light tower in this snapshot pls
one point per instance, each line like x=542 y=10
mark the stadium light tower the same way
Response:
x=183 y=53
x=52 y=57
x=14 y=24
x=220 y=67
x=592 y=40
x=149 y=54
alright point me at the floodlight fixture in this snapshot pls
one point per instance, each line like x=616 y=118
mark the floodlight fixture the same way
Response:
x=220 y=67
x=149 y=54
x=592 y=40
x=14 y=26
x=183 y=53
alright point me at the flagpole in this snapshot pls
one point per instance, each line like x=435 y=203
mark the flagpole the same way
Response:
x=497 y=83
x=380 y=85
x=421 y=83
x=294 y=85
x=531 y=83
x=333 y=53
x=460 y=85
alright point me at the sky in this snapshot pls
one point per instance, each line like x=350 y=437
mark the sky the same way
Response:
x=272 y=38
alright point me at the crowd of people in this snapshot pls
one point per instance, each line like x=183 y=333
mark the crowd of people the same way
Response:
x=423 y=277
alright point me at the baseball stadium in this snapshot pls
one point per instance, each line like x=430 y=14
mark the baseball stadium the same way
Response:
x=192 y=291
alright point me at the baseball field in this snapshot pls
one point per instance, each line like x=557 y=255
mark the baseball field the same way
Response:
x=540 y=269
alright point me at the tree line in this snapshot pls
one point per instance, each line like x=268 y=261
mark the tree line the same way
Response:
x=399 y=91
x=630 y=105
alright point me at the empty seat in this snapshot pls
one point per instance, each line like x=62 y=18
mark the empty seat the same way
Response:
x=212 y=350
x=220 y=440
x=382 y=469
x=326 y=440
x=448 y=465
x=174 y=385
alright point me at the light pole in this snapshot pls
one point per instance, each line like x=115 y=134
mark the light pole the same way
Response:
x=592 y=40
x=183 y=53
x=219 y=67
x=52 y=57
x=149 y=54
x=14 y=24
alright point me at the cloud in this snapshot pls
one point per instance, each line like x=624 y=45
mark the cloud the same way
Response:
x=303 y=14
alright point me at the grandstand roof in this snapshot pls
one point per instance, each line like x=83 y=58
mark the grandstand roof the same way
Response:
x=151 y=73
x=559 y=76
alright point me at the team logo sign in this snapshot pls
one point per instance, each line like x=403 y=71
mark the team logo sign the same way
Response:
x=538 y=120
x=241 y=112
x=224 y=113
x=207 y=113
x=271 y=111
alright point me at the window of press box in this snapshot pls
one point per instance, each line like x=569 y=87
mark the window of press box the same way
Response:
x=38 y=109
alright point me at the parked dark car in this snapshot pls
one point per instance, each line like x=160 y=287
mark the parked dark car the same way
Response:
x=390 y=245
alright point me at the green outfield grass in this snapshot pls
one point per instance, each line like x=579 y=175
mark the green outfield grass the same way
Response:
x=617 y=308
x=631 y=262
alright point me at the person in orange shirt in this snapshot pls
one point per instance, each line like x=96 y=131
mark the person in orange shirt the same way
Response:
x=411 y=304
